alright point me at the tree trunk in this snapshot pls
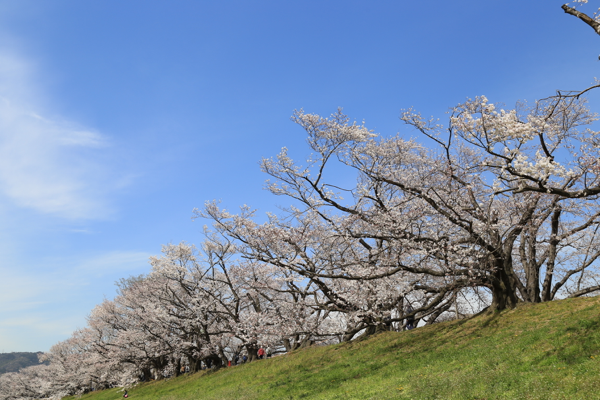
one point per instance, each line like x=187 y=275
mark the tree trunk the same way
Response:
x=528 y=255
x=547 y=285
x=194 y=364
x=214 y=360
x=147 y=374
x=504 y=291
x=306 y=342
x=287 y=345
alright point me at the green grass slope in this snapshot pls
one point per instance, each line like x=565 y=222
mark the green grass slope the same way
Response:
x=544 y=351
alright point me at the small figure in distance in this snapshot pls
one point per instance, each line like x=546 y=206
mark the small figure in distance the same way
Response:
x=269 y=353
x=410 y=321
x=388 y=323
x=125 y=394
x=261 y=353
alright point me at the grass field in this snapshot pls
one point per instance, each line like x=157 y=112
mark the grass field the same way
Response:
x=543 y=351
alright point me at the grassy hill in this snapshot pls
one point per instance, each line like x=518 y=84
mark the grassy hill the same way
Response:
x=545 y=351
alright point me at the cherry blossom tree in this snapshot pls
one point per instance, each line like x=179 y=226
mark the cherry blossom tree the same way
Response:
x=480 y=202
x=33 y=382
x=138 y=329
x=244 y=305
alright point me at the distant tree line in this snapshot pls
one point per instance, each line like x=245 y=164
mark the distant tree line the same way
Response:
x=13 y=362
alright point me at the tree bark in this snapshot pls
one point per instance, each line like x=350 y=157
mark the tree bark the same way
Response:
x=547 y=285
x=584 y=17
x=504 y=293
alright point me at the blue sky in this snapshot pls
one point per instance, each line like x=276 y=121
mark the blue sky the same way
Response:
x=117 y=118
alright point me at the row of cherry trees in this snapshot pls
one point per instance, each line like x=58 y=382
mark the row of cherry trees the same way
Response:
x=199 y=307
x=493 y=208
x=504 y=203
x=499 y=202
x=498 y=207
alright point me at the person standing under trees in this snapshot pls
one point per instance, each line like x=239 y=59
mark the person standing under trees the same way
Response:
x=410 y=321
x=261 y=353
x=269 y=353
x=388 y=323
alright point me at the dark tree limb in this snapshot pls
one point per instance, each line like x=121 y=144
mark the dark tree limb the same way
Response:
x=585 y=291
x=582 y=16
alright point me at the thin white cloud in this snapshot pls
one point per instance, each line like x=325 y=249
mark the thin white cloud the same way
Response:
x=37 y=332
x=51 y=165
x=112 y=262
x=64 y=277
x=40 y=308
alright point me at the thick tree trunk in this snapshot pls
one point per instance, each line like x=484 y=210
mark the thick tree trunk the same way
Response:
x=504 y=290
x=195 y=364
x=147 y=374
x=547 y=285
x=528 y=255
x=532 y=273
x=502 y=299
x=306 y=342
x=214 y=361
x=287 y=345
x=177 y=367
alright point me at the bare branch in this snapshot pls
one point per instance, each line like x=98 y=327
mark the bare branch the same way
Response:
x=584 y=17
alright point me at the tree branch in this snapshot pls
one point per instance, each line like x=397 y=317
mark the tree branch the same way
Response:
x=584 y=17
